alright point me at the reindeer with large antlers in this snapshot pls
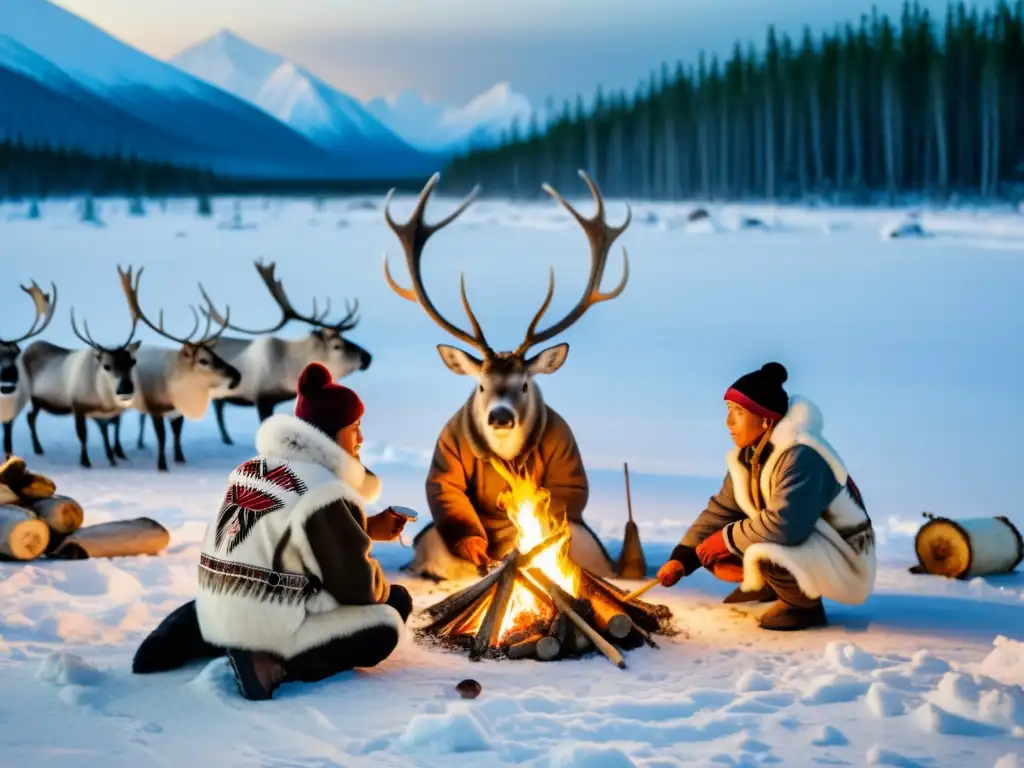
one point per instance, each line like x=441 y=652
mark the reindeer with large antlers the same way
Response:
x=270 y=366
x=506 y=419
x=14 y=387
x=176 y=382
x=90 y=383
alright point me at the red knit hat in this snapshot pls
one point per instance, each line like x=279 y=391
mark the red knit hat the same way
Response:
x=327 y=406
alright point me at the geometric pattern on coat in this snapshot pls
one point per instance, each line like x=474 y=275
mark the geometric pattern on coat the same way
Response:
x=244 y=505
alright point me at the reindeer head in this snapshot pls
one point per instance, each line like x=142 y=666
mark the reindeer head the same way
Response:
x=10 y=349
x=115 y=363
x=506 y=401
x=329 y=345
x=196 y=358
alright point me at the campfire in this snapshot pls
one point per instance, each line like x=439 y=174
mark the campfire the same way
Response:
x=537 y=603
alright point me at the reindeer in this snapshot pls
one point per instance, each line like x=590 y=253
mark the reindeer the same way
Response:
x=175 y=382
x=91 y=383
x=505 y=426
x=270 y=366
x=14 y=388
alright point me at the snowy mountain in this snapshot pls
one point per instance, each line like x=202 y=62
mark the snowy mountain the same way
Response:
x=433 y=126
x=69 y=82
x=296 y=97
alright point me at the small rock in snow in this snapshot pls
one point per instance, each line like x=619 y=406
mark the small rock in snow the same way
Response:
x=469 y=689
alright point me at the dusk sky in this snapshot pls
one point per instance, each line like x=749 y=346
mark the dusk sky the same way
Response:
x=452 y=49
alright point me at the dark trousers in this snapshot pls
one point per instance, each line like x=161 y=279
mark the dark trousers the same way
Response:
x=782 y=582
x=178 y=641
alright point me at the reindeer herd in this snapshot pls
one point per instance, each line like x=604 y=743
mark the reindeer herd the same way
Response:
x=171 y=384
x=167 y=384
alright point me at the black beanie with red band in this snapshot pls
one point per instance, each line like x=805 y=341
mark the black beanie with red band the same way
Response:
x=761 y=392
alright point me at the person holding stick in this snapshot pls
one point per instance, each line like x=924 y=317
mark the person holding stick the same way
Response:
x=288 y=588
x=789 y=524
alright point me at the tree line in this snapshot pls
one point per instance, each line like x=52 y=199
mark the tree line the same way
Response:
x=865 y=112
x=38 y=171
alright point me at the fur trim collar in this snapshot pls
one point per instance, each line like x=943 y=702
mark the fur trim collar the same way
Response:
x=287 y=438
x=478 y=444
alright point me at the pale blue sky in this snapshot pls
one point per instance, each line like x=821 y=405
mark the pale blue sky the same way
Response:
x=453 y=49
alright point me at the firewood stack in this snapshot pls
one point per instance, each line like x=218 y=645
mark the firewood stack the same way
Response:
x=595 y=620
x=36 y=522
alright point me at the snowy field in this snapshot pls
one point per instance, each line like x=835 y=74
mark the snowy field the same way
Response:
x=911 y=347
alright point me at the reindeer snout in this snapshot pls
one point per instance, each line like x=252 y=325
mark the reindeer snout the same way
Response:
x=8 y=380
x=501 y=417
x=125 y=388
x=365 y=358
x=234 y=379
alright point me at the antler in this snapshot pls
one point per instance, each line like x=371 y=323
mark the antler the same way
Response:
x=131 y=293
x=413 y=235
x=601 y=236
x=288 y=312
x=44 y=307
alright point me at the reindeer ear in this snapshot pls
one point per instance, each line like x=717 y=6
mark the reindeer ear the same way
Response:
x=459 y=362
x=548 y=361
x=134 y=346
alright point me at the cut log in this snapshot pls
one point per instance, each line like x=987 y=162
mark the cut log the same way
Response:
x=525 y=649
x=23 y=536
x=455 y=603
x=122 y=538
x=968 y=548
x=450 y=623
x=487 y=635
x=643 y=614
x=580 y=642
x=548 y=648
x=32 y=486
x=61 y=513
x=609 y=617
x=564 y=604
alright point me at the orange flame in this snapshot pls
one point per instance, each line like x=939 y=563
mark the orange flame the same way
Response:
x=529 y=508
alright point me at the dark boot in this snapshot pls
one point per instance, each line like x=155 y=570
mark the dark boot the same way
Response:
x=764 y=595
x=176 y=642
x=257 y=674
x=788 y=618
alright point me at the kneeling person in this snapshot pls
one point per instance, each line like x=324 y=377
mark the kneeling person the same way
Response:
x=287 y=586
x=789 y=524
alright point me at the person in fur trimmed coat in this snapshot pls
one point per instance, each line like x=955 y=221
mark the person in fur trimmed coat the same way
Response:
x=287 y=586
x=789 y=524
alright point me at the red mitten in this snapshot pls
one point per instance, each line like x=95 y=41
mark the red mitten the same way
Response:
x=713 y=549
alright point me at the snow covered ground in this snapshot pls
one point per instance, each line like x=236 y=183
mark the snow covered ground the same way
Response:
x=910 y=347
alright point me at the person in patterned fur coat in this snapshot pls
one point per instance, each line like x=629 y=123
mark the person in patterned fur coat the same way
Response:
x=287 y=586
x=789 y=524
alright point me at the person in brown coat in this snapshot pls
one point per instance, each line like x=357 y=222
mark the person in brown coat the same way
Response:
x=469 y=528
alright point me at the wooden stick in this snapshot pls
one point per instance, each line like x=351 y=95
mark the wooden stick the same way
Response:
x=562 y=602
x=462 y=598
x=631 y=596
x=531 y=555
x=648 y=615
x=487 y=635
x=629 y=498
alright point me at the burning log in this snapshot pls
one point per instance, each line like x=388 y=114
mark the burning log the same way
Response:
x=525 y=649
x=487 y=635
